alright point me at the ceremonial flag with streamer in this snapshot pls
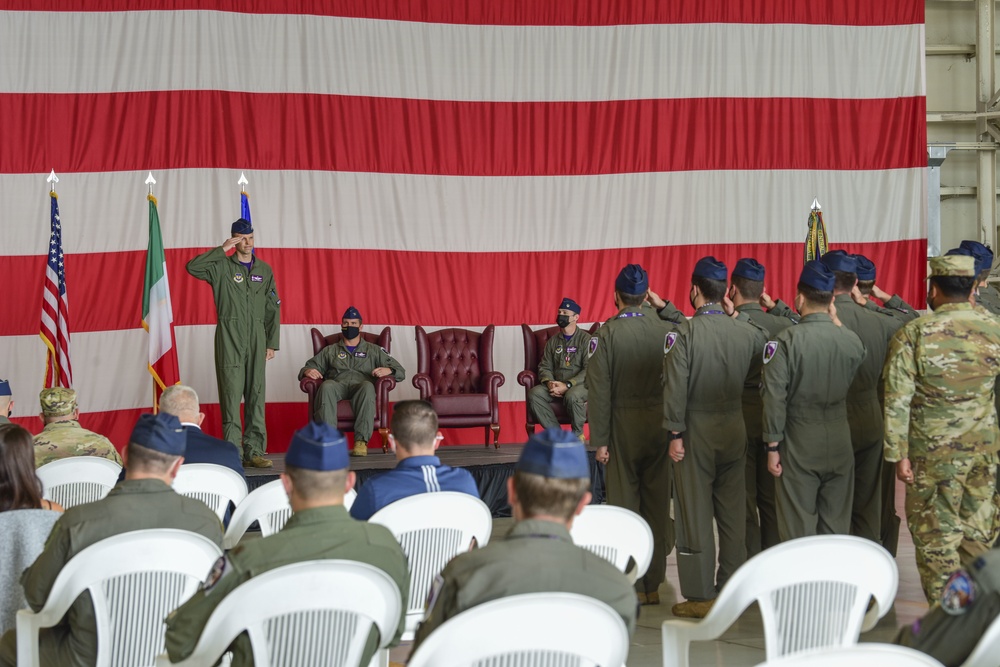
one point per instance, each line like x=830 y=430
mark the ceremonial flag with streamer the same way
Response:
x=157 y=314
x=816 y=241
x=55 y=308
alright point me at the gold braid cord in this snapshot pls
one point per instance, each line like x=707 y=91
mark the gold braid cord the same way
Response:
x=816 y=241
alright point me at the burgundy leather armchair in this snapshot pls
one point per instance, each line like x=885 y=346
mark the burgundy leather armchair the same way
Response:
x=455 y=374
x=534 y=345
x=383 y=385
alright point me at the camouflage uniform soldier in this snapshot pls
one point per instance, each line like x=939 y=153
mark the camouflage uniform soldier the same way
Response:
x=63 y=436
x=941 y=424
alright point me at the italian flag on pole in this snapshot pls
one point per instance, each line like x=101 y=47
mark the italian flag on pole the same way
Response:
x=157 y=315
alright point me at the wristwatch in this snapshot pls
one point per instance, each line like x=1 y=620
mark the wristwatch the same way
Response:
x=569 y=384
x=676 y=436
x=772 y=449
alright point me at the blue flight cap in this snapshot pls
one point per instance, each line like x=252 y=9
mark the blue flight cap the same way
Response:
x=569 y=304
x=5 y=388
x=982 y=255
x=318 y=446
x=711 y=268
x=750 y=269
x=554 y=453
x=866 y=268
x=818 y=275
x=632 y=279
x=351 y=313
x=242 y=226
x=840 y=260
x=161 y=432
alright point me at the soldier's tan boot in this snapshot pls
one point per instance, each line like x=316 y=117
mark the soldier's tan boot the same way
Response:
x=259 y=462
x=360 y=448
x=693 y=608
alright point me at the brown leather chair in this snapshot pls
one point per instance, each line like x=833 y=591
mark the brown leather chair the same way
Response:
x=455 y=374
x=383 y=385
x=534 y=345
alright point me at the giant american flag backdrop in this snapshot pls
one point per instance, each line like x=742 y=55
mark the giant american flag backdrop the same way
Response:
x=446 y=163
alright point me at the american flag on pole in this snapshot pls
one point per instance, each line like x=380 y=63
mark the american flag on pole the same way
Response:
x=55 y=309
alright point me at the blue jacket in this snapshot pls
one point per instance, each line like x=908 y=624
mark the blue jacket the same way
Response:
x=417 y=474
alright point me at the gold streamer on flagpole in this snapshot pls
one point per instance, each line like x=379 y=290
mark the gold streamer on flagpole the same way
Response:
x=817 y=242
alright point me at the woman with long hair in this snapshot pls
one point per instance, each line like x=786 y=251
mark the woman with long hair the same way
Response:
x=20 y=488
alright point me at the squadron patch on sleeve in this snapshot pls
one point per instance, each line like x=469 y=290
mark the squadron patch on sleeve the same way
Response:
x=959 y=593
x=219 y=569
x=592 y=347
x=769 y=350
x=668 y=341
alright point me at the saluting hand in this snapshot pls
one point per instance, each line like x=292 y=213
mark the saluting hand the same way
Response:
x=774 y=462
x=230 y=243
x=858 y=297
x=766 y=302
x=654 y=299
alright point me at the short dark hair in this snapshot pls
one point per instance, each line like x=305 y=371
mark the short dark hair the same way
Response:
x=631 y=300
x=312 y=484
x=844 y=281
x=814 y=296
x=955 y=286
x=983 y=275
x=149 y=460
x=549 y=496
x=748 y=289
x=865 y=286
x=20 y=488
x=713 y=290
x=413 y=423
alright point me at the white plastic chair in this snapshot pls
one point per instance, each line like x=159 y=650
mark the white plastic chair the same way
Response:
x=433 y=528
x=859 y=655
x=987 y=648
x=135 y=579
x=76 y=480
x=212 y=484
x=301 y=615
x=615 y=534
x=268 y=506
x=538 y=630
x=812 y=593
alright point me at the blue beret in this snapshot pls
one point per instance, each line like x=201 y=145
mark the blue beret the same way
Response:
x=161 y=432
x=5 y=388
x=866 y=268
x=569 y=304
x=750 y=269
x=318 y=446
x=982 y=255
x=818 y=275
x=632 y=279
x=554 y=453
x=839 y=260
x=242 y=226
x=351 y=313
x=711 y=268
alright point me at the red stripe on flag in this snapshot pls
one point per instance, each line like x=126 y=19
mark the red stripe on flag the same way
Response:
x=406 y=136
x=471 y=289
x=530 y=12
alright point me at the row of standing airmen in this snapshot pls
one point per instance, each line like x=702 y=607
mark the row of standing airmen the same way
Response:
x=769 y=420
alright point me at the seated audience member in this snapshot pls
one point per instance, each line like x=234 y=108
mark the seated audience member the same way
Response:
x=62 y=435
x=562 y=372
x=25 y=518
x=350 y=368
x=316 y=478
x=969 y=604
x=144 y=500
x=414 y=439
x=6 y=402
x=549 y=488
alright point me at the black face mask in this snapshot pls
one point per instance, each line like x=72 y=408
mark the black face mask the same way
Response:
x=562 y=321
x=350 y=333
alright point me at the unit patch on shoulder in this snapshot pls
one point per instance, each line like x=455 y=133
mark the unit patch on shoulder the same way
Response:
x=959 y=593
x=769 y=349
x=668 y=341
x=592 y=347
x=219 y=569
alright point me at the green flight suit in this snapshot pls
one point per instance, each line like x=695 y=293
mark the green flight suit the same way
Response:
x=624 y=380
x=249 y=323
x=137 y=504
x=940 y=414
x=62 y=439
x=564 y=361
x=348 y=375
x=988 y=299
x=705 y=366
x=864 y=413
x=762 y=515
x=535 y=557
x=808 y=370
x=4 y=420
x=321 y=533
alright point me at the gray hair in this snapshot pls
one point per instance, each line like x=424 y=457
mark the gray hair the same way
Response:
x=179 y=399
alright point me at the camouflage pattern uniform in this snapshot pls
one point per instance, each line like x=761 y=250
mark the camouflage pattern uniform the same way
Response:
x=64 y=438
x=939 y=413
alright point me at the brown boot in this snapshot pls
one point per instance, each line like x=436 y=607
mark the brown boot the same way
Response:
x=652 y=597
x=258 y=462
x=360 y=448
x=693 y=608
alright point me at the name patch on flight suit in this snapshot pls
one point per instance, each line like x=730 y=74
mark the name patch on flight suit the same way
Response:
x=360 y=355
x=572 y=349
x=256 y=279
x=238 y=277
